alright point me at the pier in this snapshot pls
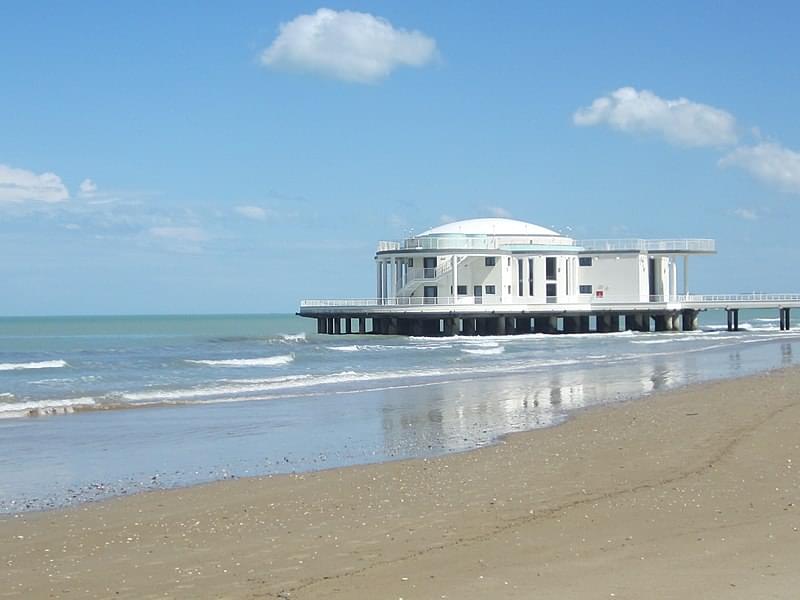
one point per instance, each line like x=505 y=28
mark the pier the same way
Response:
x=503 y=277
x=445 y=317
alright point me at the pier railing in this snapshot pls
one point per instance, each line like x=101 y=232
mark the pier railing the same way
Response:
x=690 y=246
x=699 y=246
x=607 y=302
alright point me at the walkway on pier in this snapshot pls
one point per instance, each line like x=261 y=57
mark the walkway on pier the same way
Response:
x=466 y=316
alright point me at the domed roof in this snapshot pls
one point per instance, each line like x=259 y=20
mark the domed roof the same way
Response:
x=490 y=227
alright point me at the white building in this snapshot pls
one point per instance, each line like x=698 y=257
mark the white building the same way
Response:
x=499 y=276
x=502 y=261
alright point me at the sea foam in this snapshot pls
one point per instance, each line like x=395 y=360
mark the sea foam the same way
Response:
x=267 y=361
x=36 y=408
x=43 y=364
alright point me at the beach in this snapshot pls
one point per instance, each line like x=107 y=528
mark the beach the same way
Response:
x=684 y=494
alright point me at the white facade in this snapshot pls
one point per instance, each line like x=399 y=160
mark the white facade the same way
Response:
x=503 y=261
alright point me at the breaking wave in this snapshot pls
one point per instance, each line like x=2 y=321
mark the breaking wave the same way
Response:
x=268 y=361
x=43 y=364
x=36 y=408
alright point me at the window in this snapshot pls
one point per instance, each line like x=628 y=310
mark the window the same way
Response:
x=430 y=292
x=584 y=261
x=550 y=268
x=489 y=261
x=490 y=289
x=585 y=289
x=509 y=288
x=509 y=261
x=520 y=277
x=462 y=290
x=429 y=267
x=410 y=263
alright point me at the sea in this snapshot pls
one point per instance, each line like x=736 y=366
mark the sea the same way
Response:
x=95 y=407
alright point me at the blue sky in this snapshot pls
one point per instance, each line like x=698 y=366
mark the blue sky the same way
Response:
x=192 y=157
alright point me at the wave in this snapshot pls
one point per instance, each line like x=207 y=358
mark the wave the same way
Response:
x=488 y=350
x=268 y=361
x=44 y=364
x=37 y=408
x=293 y=337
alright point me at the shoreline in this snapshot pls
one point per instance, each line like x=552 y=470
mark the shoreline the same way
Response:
x=380 y=527
x=130 y=488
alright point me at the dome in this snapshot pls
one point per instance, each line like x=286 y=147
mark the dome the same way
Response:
x=490 y=227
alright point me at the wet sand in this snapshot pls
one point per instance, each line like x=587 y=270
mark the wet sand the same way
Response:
x=688 y=494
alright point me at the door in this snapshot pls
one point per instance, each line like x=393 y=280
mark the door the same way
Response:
x=477 y=291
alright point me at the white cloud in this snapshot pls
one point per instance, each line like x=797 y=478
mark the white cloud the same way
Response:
x=19 y=186
x=498 y=211
x=770 y=162
x=679 y=121
x=88 y=187
x=748 y=214
x=254 y=212
x=179 y=234
x=351 y=46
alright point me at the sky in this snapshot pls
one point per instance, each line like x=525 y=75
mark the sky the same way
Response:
x=200 y=157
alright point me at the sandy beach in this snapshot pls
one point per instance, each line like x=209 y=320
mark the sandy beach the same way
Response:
x=687 y=494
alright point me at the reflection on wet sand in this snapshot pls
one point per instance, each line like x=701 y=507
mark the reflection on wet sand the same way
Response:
x=458 y=415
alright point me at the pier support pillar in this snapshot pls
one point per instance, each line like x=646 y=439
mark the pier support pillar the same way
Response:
x=430 y=327
x=511 y=325
x=660 y=322
x=391 y=326
x=348 y=325
x=639 y=321
x=785 y=315
x=322 y=325
x=450 y=327
x=689 y=319
x=583 y=324
x=606 y=323
x=571 y=324
x=545 y=324
x=337 y=325
x=415 y=327
x=523 y=325
x=468 y=326
x=379 y=326
x=500 y=326
x=733 y=319
x=483 y=326
x=362 y=325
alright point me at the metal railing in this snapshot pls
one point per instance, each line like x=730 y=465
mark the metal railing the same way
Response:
x=738 y=298
x=713 y=300
x=488 y=242
x=686 y=245
x=451 y=242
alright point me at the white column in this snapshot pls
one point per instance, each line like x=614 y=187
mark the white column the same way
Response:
x=686 y=274
x=454 y=259
x=391 y=282
x=385 y=279
x=379 y=289
x=398 y=275
x=673 y=279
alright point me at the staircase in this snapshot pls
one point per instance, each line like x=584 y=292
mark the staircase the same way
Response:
x=418 y=276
